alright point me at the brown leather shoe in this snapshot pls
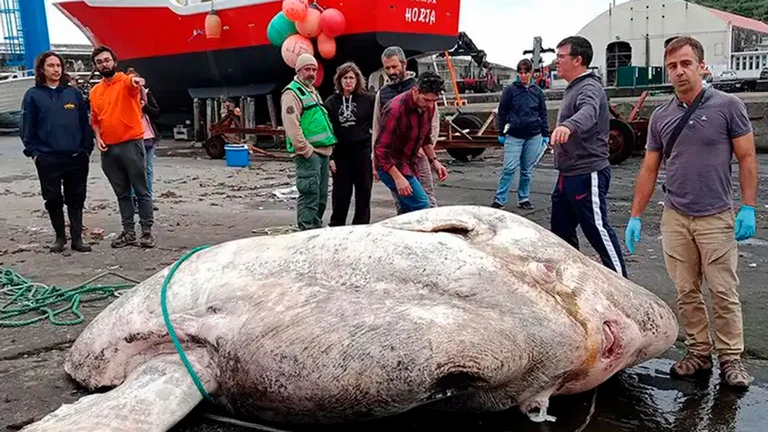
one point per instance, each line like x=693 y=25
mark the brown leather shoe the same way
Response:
x=733 y=373
x=690 y=365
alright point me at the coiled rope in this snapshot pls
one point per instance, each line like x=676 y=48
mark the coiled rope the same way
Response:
x=21 y=297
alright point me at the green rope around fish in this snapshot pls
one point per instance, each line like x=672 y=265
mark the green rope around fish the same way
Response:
x=21 y=298
x=172 y=332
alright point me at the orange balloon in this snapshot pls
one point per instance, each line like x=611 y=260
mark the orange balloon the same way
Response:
x=326 y=46
x=295 y=10
x=310 y=25
x=295 y=46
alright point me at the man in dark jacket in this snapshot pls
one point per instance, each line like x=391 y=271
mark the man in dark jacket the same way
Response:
x=57 y=135
x=523 y=129
x=580 y=144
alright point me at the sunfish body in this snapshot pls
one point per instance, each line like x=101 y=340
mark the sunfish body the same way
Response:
x=465 y=308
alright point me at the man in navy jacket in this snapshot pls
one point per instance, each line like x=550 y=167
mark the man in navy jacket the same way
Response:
x=57 y=136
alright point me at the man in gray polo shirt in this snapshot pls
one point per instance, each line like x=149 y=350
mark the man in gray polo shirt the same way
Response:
x=698 y=229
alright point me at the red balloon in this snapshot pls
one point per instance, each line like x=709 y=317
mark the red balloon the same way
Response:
x=326 y=46
x=320 y=75
x=332 y=22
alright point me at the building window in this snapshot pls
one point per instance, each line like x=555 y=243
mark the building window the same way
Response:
x=751 y=63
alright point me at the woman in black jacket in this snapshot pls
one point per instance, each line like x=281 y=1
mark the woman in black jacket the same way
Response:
x=351 y=112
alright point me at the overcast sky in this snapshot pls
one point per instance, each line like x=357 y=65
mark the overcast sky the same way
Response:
x=503 y=28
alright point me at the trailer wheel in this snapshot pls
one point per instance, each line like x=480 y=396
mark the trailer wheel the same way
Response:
x=473 y=123
x=214 y=146
x=621 y=141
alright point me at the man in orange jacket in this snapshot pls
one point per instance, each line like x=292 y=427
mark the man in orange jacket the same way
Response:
x=119 y=134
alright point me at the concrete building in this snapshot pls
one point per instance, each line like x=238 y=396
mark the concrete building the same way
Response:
x=636 y=32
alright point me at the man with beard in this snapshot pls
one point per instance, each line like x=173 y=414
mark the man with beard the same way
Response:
x=116 y=117
x=309 y=140
x=57 y=136
x=406 y=129
x=394 y=62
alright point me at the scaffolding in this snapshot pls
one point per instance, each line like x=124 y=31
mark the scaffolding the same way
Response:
x=10 y=26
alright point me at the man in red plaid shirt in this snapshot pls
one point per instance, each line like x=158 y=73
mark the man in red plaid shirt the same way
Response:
x=406 y=129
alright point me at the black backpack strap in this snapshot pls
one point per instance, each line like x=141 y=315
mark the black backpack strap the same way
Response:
x=682 y=123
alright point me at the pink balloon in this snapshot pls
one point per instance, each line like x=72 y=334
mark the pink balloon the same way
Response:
x=332 y=22
x=310 y=25
x=295 y=46
x=326 y=46
x=295 y=10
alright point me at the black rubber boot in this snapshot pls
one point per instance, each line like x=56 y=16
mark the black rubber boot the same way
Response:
x=76 y=230
x=57 y=220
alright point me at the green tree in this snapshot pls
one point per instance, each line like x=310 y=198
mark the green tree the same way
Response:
x=757 y=9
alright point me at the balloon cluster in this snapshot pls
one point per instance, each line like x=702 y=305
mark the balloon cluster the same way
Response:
x=298 y=23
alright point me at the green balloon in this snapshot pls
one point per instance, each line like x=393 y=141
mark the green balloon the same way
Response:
x=279 y=29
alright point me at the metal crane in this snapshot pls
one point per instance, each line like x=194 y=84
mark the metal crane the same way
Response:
x=24 y=28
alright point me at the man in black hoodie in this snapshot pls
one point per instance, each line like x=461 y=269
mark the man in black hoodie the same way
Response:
x=580 y=144
x=57 y=136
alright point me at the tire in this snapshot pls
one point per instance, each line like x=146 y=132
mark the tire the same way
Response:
x=214 y=146
x=621 y=141
x=466 y=121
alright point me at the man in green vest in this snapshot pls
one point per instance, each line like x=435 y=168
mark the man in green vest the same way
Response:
x=309 y=140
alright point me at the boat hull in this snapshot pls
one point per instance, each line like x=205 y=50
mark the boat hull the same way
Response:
x=257 y=70
x=181 y=64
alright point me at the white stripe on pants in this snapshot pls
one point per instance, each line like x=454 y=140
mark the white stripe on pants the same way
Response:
x=599 y=222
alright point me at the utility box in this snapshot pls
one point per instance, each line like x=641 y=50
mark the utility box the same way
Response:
x=657 y=75
x=626 y=76
x=641 y=76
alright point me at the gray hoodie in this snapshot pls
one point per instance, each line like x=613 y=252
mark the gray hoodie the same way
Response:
x=584 y=110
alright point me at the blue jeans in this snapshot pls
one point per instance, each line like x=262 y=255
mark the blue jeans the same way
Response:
x=418 y=200
x=150 y=169
x=523 y=154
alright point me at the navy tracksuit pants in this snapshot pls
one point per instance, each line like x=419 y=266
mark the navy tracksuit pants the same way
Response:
x=580 y=200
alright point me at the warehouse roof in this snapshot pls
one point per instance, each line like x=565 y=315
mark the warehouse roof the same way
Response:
x=740 y=21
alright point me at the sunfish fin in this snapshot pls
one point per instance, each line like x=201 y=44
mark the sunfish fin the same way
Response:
x=467 y=221
x=154 y=397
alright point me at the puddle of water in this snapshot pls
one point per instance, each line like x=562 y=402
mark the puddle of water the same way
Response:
x=641 y=399
x=754 y=242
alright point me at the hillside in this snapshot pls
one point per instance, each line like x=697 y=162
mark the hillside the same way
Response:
x=757 y=9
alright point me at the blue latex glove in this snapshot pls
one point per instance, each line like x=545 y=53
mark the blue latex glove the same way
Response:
x=632 y=234
x=502 y=140
x=745 y=223
x=546 y=141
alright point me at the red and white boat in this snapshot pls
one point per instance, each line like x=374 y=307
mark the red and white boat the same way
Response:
x=164 y=40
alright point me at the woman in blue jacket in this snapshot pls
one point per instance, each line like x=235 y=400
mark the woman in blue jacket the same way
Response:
x=57 y=136
x=524 y=132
